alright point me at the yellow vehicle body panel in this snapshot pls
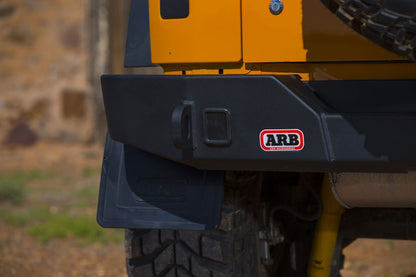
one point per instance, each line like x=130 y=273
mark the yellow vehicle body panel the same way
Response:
x=244 y=37
x=272 y=38
x=210 y=34
x=304 y=32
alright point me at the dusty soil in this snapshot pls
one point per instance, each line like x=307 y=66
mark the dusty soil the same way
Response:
x=43 y=53
x=380 y=258
x=50 y=155
x=23 y=255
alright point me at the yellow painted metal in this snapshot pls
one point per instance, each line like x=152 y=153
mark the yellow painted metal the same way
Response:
x=272 y=38
x=245 y=69
x=344 y=71
x=233 y=31
x=326 y=233
x=304 y=31
x=173 y=72
x=307 y=71
x=210 y=34
x=305 y=39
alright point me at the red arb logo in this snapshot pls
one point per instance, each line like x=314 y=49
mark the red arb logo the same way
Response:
x=281 y=140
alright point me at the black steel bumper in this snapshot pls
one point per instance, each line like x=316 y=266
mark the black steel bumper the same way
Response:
x=163 y=127
x=266 y=123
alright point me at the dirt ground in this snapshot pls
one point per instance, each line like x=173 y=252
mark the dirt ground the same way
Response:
x=43 y=53
x=21 y=254
x=384 y=258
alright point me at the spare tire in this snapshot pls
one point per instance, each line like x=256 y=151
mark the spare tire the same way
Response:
x=389 y=23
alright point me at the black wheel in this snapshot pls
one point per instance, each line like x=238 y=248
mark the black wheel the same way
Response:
x=230 y=250
x=389 y=23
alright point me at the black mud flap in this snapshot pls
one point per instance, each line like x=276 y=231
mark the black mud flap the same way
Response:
x=141 y=190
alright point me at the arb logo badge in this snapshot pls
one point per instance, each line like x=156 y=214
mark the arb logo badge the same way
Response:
x=282 y=140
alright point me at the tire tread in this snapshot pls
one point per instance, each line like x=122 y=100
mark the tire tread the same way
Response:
x=224 y=252
x=392 y=30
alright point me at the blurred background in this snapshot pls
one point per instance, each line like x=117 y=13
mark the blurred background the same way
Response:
x=52 y=129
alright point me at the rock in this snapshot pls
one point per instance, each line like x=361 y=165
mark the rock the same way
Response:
x=70 y=36
x=73 y=104
x=6 y=9
x=35 y=5
x=20 y=135
x=37 y=111
x=22 y=34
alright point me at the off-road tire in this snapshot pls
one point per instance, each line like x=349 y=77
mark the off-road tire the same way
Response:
x=230 y=250
x=389 y=23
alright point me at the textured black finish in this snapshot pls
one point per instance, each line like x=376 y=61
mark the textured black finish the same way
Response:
x=182 y=126
x=217 y=126
x=364 y=96
x=170 y=9
x=140 y=190
x=379 y=223
x=361 y=128
x=138 y=36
